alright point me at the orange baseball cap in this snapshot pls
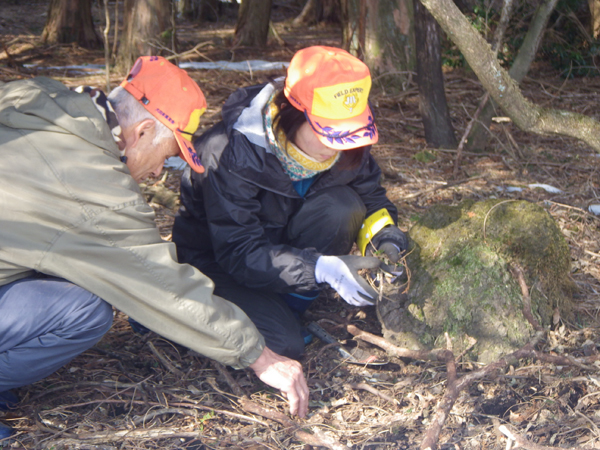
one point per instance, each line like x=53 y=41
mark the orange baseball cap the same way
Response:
x=170 y=95
x=332 y=88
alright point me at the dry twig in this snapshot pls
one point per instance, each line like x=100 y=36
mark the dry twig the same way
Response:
x=164 y=360
x=522 y=443
x=317 y=439
x=372 y=390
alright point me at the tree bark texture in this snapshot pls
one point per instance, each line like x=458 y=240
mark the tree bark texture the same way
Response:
x=389 y=39
x=106 y=46
x=119 y=55
x=345 y=17
x=503 y=89
x=478 y=138
x=352 y=14
x=189 y=8
x=201 y=10
x=146 y=30
x=381 y=32
x=595 y=18
x=252 y=27
x=70 y=21
x=316 y=11
x=430 y=79
x=507 y=6
x=208 y=10
x=127 y=11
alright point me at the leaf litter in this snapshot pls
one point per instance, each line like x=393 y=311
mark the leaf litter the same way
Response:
x=144 y=392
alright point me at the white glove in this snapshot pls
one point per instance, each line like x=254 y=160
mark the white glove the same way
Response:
x=341 y=273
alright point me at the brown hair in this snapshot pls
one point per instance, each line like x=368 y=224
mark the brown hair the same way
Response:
x=289 y=120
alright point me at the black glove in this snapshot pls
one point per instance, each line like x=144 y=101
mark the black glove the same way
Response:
x=341 y=273
x=391 y=241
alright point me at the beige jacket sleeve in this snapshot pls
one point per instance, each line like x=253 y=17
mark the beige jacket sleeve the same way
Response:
x=118 y=255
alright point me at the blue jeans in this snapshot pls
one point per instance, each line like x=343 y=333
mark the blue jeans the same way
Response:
x=45 y=322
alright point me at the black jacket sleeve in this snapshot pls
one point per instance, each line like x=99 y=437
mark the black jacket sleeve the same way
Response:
x=221 y=221
x=240 y=244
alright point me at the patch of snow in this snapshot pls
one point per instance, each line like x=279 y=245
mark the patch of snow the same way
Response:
x=84 y=68
x=253 y=65
x=546 y=187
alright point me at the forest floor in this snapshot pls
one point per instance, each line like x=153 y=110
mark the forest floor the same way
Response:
x=144 y=392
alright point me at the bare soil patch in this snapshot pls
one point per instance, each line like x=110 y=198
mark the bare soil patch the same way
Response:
x=143 y=392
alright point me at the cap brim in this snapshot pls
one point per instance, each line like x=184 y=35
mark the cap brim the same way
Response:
x=188 y=153
x=345 y=134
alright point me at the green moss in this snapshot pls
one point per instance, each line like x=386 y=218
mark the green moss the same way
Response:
x=416 y=312
x=461 y=280
x=425 y=156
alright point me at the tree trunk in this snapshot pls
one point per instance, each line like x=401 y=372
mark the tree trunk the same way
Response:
x=503 y=89
x=252 y=27
x=316 y=11
x=148 y=30
x=595 y=17
x=189 y=8
x=200 y=10
x=432 y=97
x=127 y=12
x=106 y=45
x=382 y=32
x=389 y=41
x=347 y=17
x=479 y=137
x=208 y=10
x=507 y=6
x=71 y=21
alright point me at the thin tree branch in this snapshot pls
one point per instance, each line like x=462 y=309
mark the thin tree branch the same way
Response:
x=498 y=38
x=165 y=362
x=316 y=439
x=517 y=272
x=503 y=88
x=116 y=36
x=106 y=46
x=524 y=444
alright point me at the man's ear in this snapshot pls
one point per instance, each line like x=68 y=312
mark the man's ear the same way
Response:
x=141 y=129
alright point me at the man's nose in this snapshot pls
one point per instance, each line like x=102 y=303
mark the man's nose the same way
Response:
x=156 y=172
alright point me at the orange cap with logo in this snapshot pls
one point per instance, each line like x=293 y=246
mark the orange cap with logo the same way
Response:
x=170 y=95
x=332 y=88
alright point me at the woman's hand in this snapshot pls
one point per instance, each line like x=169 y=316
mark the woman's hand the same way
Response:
x=391 y=241
x=341 y=273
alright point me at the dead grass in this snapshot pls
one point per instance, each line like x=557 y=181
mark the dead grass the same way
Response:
x=143 y=392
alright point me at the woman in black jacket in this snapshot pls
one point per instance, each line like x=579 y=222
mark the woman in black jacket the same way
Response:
x=289 y=186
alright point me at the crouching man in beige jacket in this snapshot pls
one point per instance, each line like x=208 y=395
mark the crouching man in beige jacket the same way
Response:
x=77 y=237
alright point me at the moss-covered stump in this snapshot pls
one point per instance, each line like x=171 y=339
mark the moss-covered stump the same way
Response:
x=461 y=281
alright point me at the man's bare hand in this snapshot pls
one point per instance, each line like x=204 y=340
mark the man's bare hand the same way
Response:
x=286 y=375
